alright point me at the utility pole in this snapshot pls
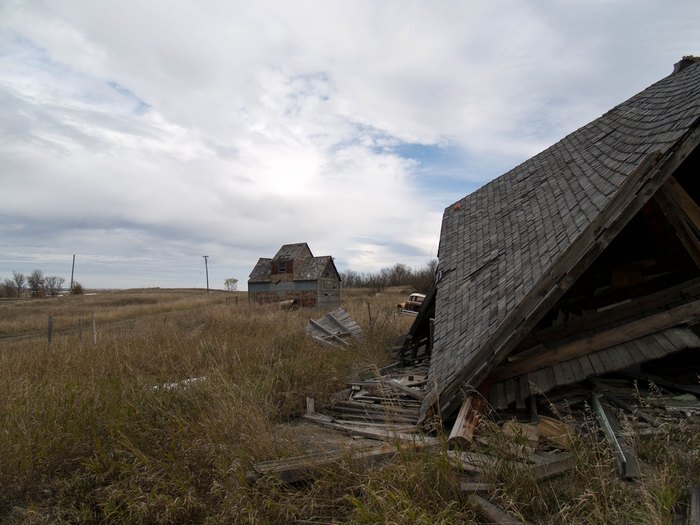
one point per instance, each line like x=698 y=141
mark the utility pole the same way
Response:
x=206 y=267
x=72 y=270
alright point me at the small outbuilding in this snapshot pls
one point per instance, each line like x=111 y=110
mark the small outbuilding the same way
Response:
x=295 y=274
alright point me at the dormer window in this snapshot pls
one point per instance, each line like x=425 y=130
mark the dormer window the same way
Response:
x=282 y=267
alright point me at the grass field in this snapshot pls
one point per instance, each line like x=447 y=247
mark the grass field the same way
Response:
x=88 y=433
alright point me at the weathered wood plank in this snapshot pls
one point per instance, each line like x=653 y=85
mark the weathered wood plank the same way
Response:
x=328 y=332
x=644 y=347
x=523 y=390
x=605 y=358
x=555 y=466
x=665 y=346
x=598 y=365
x=626 y=406
x=592 y=321
x=676 y=221
x=293 y=470
x=694 y=509
x=586 y=366
x=475 y=487
x=493 y=513
x=371 y=432
x=683 y=338
x=685 y=203
x=628 y=463
x=529 y=361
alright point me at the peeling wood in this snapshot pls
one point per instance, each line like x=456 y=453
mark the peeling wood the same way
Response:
x=467 y=421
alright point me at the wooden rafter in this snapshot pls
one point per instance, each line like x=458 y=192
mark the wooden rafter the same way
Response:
x=682 y=214
x=684 y=202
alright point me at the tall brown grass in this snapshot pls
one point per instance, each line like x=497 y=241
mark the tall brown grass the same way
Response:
x=96 y=433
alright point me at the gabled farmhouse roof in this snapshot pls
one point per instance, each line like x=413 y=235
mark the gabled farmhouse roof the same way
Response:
x=291 y=252
x=511 y=249
x=306 y=267
x=312 y=269
x=261 y=271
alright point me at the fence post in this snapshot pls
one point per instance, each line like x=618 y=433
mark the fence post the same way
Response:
x=80 y=330
x=94 y=330
x=50 y=329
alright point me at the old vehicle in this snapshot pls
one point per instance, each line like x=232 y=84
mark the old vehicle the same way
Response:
x=413 y=304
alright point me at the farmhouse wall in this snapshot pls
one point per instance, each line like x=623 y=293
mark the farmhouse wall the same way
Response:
x=328 y=292
x=303 y=291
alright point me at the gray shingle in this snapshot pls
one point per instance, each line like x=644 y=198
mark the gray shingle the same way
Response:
x=532 y=214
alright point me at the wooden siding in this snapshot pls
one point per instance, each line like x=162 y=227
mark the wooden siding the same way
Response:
x=303 y=291
x=328 y=292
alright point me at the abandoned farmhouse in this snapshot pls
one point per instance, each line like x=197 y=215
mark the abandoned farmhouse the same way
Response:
x=294 y=274
x=583 y=260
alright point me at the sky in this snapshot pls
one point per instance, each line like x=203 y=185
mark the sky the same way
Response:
x=141 y=136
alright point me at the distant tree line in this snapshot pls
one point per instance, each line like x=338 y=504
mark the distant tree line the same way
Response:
x=398 y=275
x=36 y=284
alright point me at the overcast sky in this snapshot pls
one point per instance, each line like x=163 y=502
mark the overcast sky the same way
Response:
x=142 y=135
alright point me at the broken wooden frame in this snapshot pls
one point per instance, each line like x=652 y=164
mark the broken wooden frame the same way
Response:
x=335 y=329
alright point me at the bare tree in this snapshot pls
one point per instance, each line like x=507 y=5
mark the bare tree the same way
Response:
x=421 y=280
x=398 y=274
x=36 y=283
x=351 y=279
x=19 y=282
x=53 y=284
x=7 y=288
x=231 y=284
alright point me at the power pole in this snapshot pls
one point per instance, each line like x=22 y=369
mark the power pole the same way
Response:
x=72 y=270
x=206 y=267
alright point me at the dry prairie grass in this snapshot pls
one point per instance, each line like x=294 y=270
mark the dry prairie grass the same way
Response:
x=29 y=316
x=90 y=434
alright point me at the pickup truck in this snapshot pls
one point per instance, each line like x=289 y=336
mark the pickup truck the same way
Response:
x=412 y=306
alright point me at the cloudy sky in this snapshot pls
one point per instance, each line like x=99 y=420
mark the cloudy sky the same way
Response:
x=142 y=135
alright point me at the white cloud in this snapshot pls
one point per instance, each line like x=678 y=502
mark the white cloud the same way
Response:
x=177 y=127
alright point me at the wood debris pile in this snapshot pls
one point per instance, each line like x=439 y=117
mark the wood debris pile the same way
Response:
x=335 y=329
x=394 y=397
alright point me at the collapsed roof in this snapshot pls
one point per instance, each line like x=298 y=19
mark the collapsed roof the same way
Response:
x=597 y=232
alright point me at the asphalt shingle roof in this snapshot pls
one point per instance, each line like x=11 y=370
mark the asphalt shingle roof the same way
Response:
x=306 y=266
x=261 y=271
x=499 y=242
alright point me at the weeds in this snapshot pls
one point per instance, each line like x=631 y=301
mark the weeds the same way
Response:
x=92 y=433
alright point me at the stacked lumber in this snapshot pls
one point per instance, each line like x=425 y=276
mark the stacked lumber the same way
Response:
x=391 y=398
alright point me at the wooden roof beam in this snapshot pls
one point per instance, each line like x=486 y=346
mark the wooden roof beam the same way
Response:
x=684 y=202
x=541 y=356
x=677 y=216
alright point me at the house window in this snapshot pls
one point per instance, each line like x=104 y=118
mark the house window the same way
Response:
x=282 y=267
